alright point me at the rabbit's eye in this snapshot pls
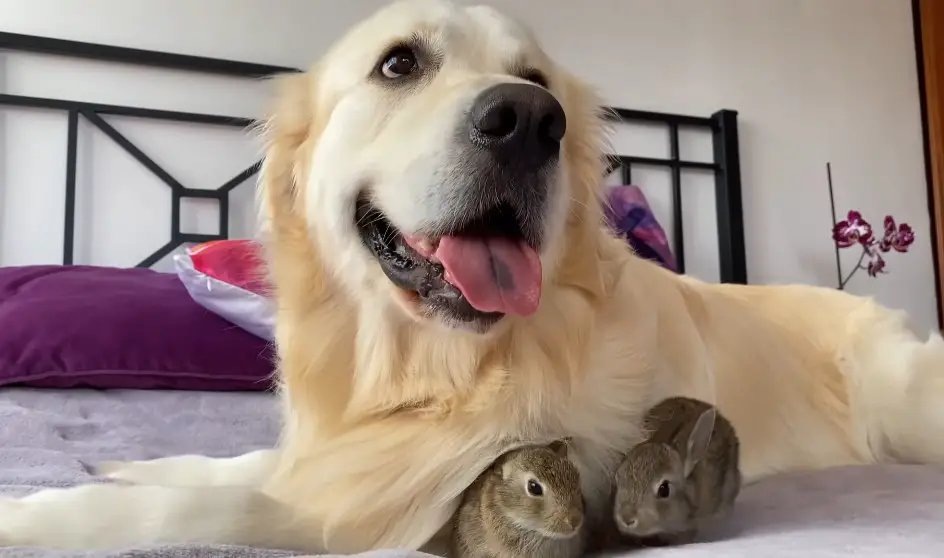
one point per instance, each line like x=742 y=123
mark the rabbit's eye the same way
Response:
x=535 y=488
x=664 y=490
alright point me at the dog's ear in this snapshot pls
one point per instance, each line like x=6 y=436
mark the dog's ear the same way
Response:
x=287 y=128
x=585 y=144
x=290 y=132
x=311 y=373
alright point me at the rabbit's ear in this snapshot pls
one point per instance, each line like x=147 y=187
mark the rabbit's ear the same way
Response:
x=559 y=446
x=503 y=467
x=698 y=439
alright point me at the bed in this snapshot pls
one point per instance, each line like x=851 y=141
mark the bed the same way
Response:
x=100 y=363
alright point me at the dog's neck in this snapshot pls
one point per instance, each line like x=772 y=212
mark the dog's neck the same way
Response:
x=402 y=365
x=371 y=359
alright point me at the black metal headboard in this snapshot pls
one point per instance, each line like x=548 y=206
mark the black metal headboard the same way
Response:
x=727 y=174
x=722 y=124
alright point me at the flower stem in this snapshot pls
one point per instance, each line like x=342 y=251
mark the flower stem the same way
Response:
x=832 y=206
x=858 y=266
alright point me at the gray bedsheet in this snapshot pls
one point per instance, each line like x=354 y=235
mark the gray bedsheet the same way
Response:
x=47 y=438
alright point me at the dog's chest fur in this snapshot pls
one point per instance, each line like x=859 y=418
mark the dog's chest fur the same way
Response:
x=436 y=411
x=604 y=417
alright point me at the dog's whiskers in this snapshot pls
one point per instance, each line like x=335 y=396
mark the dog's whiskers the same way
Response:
x=375 y=218
x=389 y=236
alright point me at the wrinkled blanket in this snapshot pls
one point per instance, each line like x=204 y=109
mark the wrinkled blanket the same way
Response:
x=48 y=437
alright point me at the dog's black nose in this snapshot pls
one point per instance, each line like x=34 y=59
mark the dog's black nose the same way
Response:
x=518 y=123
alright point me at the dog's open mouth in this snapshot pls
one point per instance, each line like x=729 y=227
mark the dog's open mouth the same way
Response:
x=482 y=269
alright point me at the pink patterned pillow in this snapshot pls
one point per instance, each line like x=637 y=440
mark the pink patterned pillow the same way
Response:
x=227 y=277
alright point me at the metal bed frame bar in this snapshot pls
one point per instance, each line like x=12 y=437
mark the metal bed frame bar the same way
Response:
x=93 y=113
x=727 y=172
x=723 y=126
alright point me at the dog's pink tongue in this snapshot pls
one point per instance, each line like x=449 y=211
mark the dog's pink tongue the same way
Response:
x=494 y=274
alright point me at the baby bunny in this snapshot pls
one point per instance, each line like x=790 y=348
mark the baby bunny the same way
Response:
x=685 y=474
x=528 y=504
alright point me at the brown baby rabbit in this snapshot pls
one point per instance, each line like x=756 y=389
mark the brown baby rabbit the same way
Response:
x=527 y=504
x=684 y=475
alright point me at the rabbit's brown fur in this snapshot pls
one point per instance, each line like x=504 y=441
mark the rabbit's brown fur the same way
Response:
x=694 y=459
x=499 y=519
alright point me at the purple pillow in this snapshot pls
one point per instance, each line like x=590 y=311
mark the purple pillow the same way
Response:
x=110 y=328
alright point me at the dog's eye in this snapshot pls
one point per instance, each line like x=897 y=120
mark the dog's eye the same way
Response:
x=664 y=490
x=398 y=62
x=535 y=77
x=535 y=488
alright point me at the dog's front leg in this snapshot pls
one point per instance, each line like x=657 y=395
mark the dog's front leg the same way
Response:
x=105 y=516
x=250 y=469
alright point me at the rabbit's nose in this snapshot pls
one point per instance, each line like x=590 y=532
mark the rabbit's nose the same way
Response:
x=627 y=519
x=574 y=520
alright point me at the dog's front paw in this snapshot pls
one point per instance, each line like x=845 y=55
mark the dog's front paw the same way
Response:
x=64 y=518
x=134 y=472
x=249 y=469
x=7 y=512
x=15 y=528
x=112 y=469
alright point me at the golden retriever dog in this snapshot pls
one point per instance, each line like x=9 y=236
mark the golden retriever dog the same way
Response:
x=446 y=289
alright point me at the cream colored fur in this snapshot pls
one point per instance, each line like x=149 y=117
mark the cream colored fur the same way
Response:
x=389 y=414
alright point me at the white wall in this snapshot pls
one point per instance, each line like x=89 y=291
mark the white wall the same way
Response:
x=813 y=82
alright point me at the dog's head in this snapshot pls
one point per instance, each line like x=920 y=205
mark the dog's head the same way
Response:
x=438 y=159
